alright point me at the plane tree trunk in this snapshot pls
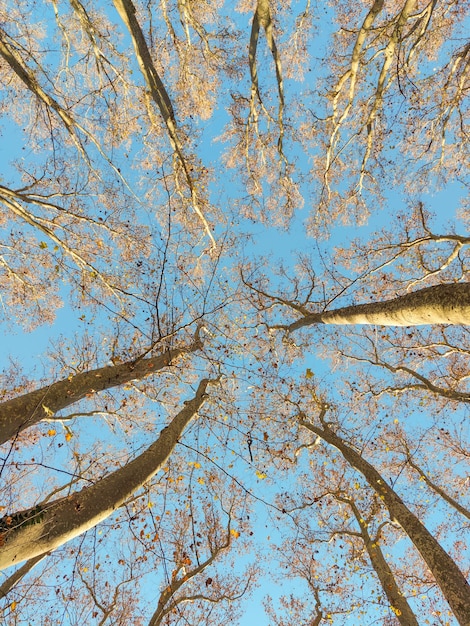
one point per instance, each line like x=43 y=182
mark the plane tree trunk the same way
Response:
x=11 y=582
x=28 y=409
x=398 y=602
x=27 y=534
x=448 y=576
x=440 y=304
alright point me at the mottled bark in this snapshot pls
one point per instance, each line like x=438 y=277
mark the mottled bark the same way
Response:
x=448 y=576
x=440 y=304
x=25 y=535
x=24 y=411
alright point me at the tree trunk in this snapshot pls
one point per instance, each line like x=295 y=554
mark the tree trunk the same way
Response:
x=450 y=579
x=29 y=533
x=440 y=304
x=24 y=411
x=398 y=602
x=126 y=10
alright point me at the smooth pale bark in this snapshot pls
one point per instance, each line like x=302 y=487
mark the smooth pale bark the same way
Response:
x=64 y=519
x=448 y=576
x=24 y=411
x=440 y=304
x=398 y=602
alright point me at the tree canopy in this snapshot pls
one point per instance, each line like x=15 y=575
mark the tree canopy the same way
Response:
x=235 y=298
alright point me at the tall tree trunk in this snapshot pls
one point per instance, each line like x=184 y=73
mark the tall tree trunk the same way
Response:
x=448 y=576
x=398 y=602
x=27 y=534
x=24 y=411
x=440 y=304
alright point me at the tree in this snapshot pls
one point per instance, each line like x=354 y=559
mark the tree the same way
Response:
x=399 y=604
x=68 y=517
x=24 y=411
x=342 y=532
x=160 y=155
x=449 y=578
x=439 y=304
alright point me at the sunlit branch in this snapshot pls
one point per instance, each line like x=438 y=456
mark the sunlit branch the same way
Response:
x=397 y=601
x=425 y=383
x=423 y=19
x=24 y=411
x=432 y=485
x=127 y=12
x=38 y=223
x=351 y=75
x=9 y=52
x=101 y=60
x=45 y=203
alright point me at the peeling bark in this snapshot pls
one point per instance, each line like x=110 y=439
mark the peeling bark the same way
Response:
x=440 y=304
x=24 y=411
x=448 y=576
x=62 y=520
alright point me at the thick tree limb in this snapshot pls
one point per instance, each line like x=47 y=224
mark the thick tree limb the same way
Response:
x=448 y=576
x=45 y=528
x=24 y=411
x=439 y=304
x=398 y=602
